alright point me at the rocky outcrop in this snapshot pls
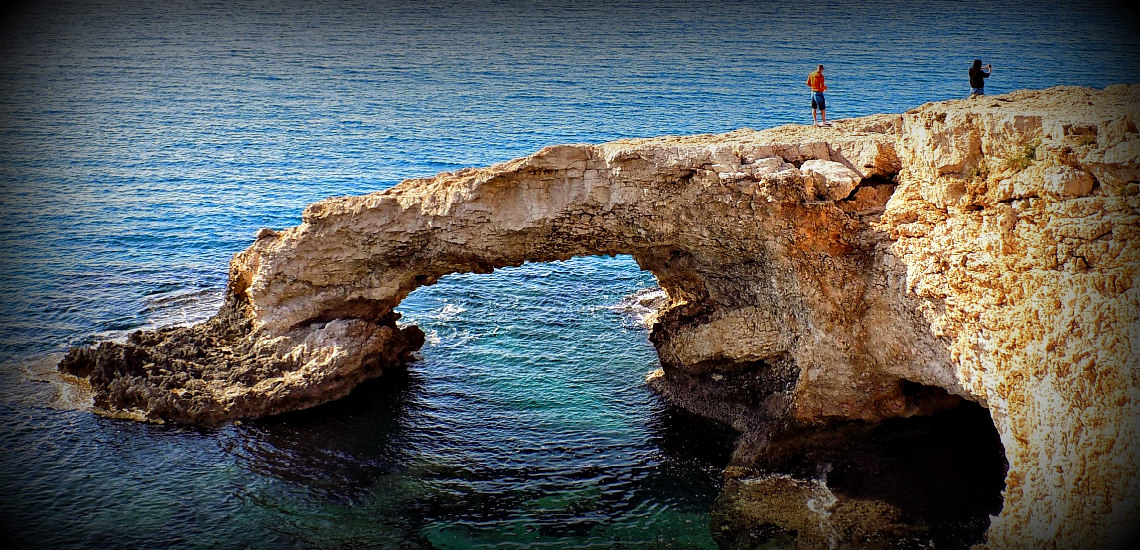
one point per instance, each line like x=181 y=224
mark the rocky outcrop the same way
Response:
x=984 y=248
x=220 y=370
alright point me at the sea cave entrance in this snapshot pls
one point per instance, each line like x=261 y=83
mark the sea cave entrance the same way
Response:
x=928 y=481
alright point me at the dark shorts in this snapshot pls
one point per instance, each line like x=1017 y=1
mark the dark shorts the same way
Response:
x=817 y=101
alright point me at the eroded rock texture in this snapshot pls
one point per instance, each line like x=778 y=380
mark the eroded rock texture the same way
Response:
x=986 y=247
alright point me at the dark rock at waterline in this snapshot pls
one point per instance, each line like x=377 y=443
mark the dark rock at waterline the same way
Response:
x=215 y=371
x=920 y=482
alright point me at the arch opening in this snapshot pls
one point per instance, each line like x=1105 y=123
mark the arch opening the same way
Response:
x=531 y=413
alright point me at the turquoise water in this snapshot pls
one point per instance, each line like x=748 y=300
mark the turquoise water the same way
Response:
x=142 y=145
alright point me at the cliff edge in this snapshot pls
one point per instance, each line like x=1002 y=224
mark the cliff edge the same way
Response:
x=888 y=266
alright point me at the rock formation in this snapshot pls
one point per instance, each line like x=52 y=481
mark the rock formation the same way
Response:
x=887 y=266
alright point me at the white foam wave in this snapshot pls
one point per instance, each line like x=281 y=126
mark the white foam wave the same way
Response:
x=450 y=312
x=182 y=308
x=642 y=306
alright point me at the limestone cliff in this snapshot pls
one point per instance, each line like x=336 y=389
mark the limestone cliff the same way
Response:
x=986 y=248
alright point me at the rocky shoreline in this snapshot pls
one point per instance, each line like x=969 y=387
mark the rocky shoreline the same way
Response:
x=216 y=371
x=895 y=265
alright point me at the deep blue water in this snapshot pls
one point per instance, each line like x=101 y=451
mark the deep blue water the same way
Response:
x=141 y=146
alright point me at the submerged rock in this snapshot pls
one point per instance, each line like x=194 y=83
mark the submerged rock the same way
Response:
x=987 y=248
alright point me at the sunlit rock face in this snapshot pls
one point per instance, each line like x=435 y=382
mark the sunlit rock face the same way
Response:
x=984 y=247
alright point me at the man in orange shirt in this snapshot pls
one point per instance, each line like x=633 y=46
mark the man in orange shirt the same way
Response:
x=815 y=82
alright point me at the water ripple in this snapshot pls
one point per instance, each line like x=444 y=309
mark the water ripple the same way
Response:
x=141 y=146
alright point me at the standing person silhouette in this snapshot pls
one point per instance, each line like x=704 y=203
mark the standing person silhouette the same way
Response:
x=815 y=82
x=978 y=76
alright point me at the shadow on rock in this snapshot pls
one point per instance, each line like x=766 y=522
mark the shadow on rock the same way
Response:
x=920 y=482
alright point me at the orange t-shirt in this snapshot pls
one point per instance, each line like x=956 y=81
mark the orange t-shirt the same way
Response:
x=815 y=80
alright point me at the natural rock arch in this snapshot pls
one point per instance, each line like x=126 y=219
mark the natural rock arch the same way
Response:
x=356 y=258
x=813 y=274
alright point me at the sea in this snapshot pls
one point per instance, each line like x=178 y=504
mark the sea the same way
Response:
x=142 y=144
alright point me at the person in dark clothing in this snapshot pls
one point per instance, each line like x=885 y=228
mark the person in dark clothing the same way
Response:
x=978 y=76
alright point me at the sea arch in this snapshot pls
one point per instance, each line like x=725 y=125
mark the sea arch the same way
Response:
x=813 y=274
x=762 y=243
x=733 y=232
